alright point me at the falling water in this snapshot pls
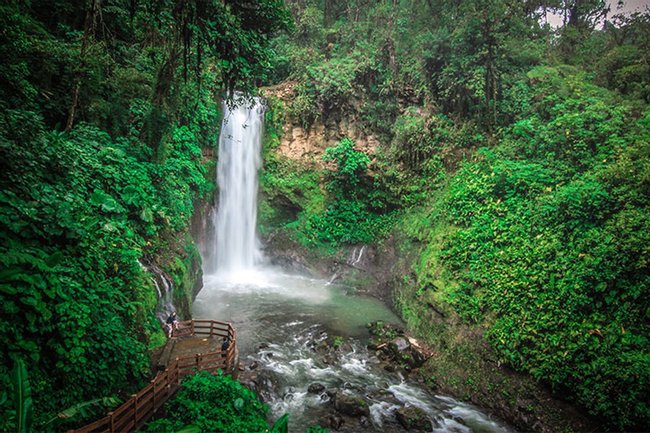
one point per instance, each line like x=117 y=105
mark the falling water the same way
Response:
x=236 y=244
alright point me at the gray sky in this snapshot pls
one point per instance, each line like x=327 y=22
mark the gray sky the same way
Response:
x=628 y=6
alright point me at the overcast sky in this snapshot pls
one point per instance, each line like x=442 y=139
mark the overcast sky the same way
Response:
x=628 y=6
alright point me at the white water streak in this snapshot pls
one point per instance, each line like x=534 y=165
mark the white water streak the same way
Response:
x=237 y=245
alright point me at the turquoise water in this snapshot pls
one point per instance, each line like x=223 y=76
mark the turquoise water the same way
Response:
x=261 y=301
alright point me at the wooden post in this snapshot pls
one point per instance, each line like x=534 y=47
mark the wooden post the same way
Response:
x=112 y=422
x=192 y=323
x=153 y=395
x=135 y=411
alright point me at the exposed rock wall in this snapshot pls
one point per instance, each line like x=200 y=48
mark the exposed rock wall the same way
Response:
x=307 y=145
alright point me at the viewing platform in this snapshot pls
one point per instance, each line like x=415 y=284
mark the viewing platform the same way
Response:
x=203 y=339
x=196 y=345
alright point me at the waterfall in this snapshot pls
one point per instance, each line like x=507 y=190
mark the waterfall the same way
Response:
x=236 y=246
x=164 y=290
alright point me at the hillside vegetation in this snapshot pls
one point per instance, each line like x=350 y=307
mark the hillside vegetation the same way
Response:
x=106 y=110
x=513 y=166
x=512 y=175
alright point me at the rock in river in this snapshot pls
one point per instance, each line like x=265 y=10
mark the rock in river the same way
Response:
x=351 y=405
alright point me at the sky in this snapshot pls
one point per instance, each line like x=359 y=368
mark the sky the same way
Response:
x=628 y=7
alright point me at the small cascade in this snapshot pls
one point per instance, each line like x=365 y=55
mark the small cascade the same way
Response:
x=356 y=256
x=164 y=288
x=235 y=245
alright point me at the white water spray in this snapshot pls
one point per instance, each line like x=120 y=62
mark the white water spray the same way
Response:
x=237 y=247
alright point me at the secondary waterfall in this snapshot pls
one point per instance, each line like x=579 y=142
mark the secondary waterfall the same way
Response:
x=236 y=244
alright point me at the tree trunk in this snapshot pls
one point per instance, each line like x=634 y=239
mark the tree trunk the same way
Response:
x=89 y=32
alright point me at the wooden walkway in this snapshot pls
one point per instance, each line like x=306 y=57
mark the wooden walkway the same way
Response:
x=195 y=346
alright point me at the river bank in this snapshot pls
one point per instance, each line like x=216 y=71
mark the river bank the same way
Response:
x=460 y=362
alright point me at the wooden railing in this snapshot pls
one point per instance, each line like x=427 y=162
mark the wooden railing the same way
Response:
x=137 y=410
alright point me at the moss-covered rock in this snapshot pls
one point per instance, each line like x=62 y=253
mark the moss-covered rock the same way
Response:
x=413 y=418
x=351 y=405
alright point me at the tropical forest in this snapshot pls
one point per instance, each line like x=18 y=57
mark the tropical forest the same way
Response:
x=316 y=216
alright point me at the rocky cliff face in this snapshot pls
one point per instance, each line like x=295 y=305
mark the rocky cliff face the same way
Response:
x=308 y=145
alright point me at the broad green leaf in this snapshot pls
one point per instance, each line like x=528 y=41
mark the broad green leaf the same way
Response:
x=22 y=397
x=281 y=425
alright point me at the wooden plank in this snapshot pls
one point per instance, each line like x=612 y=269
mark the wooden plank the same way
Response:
x=143 y=411
x=127 y=405
x=144 y=391
x=144 y=399
x=211 y=356
x=120 y=423
x=125 y=425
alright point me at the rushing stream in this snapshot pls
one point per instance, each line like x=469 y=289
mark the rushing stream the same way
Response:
x=282 y=319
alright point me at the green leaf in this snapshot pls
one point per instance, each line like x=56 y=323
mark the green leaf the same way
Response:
x=80 y=408
x=130 y=195
x=146 y=215
x=6 y=288
x=191 y=428
x=100 y=198
x=22 y=397
x=239 y=404
x=54 y=259
x=281 y=425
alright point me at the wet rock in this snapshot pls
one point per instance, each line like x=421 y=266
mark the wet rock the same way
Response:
x=330 y=359
x=253 y=365
x=263 y=346
x=289 y=395
x=418 y=358
x=384 y=395
x=400 y=344
x=316 y=388
x=334 y=421
x=373 y=344
x=459 y=420
x=265 y=384
x=351 y=405
x=413 y=418
x=363 y=421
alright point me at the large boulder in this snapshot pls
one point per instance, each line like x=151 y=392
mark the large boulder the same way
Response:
x=351 y=405
x=413 y=418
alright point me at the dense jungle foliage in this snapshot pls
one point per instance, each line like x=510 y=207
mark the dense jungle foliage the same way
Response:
x=194 y=405
x=106 y=109
x=513 y=157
